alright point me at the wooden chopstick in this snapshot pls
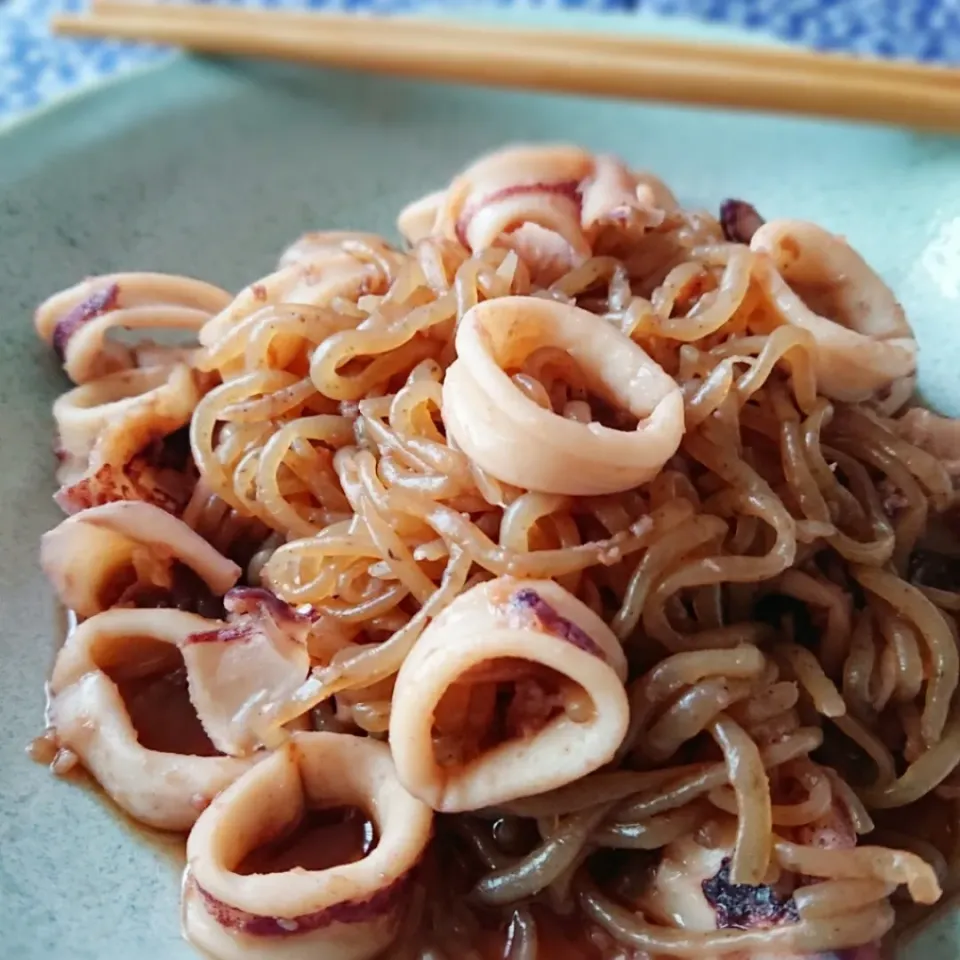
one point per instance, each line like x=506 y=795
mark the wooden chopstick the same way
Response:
x=749 y=78
x=415 y=28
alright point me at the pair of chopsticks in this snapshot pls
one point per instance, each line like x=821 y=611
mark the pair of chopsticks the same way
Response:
x=782 y=80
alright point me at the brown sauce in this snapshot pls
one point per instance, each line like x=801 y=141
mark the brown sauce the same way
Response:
x=168 y=843
x=611 y=416
x=930 y=820
x=163 y=716
x=451 y=870
x=825 y=299
x=46 y=749
x=321 y=840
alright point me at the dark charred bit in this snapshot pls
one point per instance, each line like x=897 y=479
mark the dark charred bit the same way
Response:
x=776 y=608
x=383 y=901
x=171 y=452
x=94 y=306
x=530 y=601
x=742 y=906
x=190 y=592
x=935 y=570
x=739 y=220
x=841 y=753
x=187 y=591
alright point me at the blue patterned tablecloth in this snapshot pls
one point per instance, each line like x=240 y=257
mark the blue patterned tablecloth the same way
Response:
x=36 y=67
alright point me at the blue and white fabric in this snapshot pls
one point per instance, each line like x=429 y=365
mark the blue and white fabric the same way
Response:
x=36 y=67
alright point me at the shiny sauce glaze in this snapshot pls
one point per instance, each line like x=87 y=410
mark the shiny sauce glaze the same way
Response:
x=162 y=714
x=450 y=872
x=322 y=839
x=152 y=680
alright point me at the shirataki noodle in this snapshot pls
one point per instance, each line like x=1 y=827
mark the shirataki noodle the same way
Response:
x=586 y=560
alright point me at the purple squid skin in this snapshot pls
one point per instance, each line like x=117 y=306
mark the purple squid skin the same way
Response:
x=739 y=220
x=254 y=600
x=247 y=604
x=96 y=304
x=349 y=911
x=551 y=621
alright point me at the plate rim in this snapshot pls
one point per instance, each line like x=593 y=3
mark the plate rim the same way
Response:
x=85 y=97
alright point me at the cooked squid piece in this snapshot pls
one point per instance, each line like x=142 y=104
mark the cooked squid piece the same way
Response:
x=77 y=321
x=418 y=219
x=508 y=433
x=505 y=190
x=823 y=285
x=349 y=910
x=939 y=436
x=824 y=897
x=258 y=659
x=119 y=702
x=105 y=554
x=548 y=203
x=689 y=890
x=321 y=247
x=516 y=688
x=692 y=891
x=106 y=431
x=312 y=273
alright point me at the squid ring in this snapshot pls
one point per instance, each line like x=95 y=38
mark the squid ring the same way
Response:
x=863 y=340
x=76 y=321
x=519 y=442
x=516 y=624
x=90 y=556
x=346 y=912
x=163 y=790
x=111 y=419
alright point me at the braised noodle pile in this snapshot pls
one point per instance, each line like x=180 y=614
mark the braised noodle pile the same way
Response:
x=581 y=575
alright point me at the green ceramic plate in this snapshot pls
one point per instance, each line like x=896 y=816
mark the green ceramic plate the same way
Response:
x=209 y=168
